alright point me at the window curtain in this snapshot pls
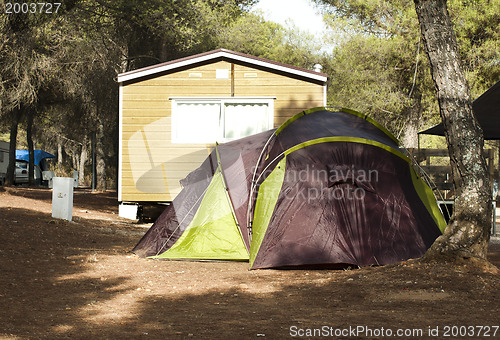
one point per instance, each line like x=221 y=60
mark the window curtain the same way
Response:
x=197 y=122
x=245 y=119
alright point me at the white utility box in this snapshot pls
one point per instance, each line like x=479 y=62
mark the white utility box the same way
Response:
x=128 y=211
x=62 y=198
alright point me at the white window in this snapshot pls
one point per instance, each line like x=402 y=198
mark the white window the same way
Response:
x=195 y=122
x=219 y=120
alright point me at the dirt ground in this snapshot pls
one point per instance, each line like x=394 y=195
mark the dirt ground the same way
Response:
x=78 y=280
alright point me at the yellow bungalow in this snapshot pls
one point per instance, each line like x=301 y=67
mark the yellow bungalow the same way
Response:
x=171 y=115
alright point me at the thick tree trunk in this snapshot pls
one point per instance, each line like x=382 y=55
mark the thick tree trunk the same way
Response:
x=468 y=233
x=11 y=168
x=413 y=125
x=410 y=136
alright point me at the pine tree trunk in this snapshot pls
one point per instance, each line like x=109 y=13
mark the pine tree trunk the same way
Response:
x=468 y=232
x=29 y=140
x=11 y=168
x=75 y=160
x=100 y=158
x=59 y=155
x=410 y=136
x=83 y=159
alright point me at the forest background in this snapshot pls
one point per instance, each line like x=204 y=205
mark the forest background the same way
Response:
x=58 y=70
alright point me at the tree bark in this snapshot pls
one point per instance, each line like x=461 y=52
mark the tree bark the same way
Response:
x=11 y=168
x=29 y=140
x=100 y=159
x=59 y=155
x=75 y=160
x=413 y=125
x=468 y=232
x=83 y=159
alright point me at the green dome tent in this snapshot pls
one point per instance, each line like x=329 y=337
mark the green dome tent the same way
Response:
x=324 y=189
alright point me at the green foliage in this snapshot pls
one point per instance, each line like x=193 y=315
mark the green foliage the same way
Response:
x=161 y=30
x=379 y=17
x=25 y=64
x=477 y=28
x=375 y=75
x=377 y=66
x=252 y=34
x=65 y=65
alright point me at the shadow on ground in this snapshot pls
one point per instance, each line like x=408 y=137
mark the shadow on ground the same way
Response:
x=78 y=280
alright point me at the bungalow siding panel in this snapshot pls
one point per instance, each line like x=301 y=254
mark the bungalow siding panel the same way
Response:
x=292 y=95
x=152 y=165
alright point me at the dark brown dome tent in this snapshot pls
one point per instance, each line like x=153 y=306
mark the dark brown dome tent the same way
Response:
x=324 y=189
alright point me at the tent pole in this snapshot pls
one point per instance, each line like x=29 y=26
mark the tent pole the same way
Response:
x=253 y=184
